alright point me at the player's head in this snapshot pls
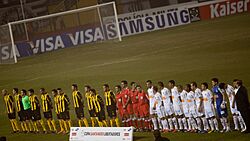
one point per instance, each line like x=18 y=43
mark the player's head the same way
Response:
x=23 y=92
x=188 y=87
x=87 y=88
x=54 y=92
x=42 y=91
x=239 y=83
x=193 y=85
x=15 y=91
x=222 y=86
x=155 y=89
x=179 y=88
x=124 y=84
x=149 y=84
x=118 y=88
x=74 y=87
x=235 y=83
x=171 y=84
x=31 y=91
x=105 y=87
x=4 y=92
x=204 y=86
x=160 y=85
x=138 y=88
x=92 y=91
x=215 y=81
x=133 y=85
x=59 y=91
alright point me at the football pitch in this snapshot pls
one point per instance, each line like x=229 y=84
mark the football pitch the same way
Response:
x=195 y=52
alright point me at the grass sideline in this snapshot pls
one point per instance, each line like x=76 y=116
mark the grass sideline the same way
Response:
x=198 y=51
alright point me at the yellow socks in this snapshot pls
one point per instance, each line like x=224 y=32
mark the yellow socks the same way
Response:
x=86 y=122
x=12 y=125
x=53 y=124
x=22 y=126
x=111 y=123
x=49 y=124
x=61 y=125
x=69 y=122
x=92 y=121
x=16 y=125
x=42 y=124
x=80 y=123
x=65 y=126
x=105 y=123
x=117 y=122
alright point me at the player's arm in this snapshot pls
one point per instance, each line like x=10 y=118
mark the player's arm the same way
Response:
x=233 y=103
x=37 y=101
x=126 y=104
x=67 y=99
x=50 y=101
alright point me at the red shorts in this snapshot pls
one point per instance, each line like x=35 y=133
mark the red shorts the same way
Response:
x=143 y=110
x=121 y=112
x=129 y=110
x=136 y=109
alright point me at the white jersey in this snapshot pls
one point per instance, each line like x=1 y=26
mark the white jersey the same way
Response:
x=158 y=100
x=208 y=105
x=166 y=95
x=198 y=97
x=175 y=96
x=176 y=102
x=184 y=103
x=191 y=100
x=230 y=93
x=151 y=97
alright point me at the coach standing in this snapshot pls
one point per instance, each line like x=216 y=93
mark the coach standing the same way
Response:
x=242 y=103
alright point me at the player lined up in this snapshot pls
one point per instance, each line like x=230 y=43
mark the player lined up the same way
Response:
x=171 y=109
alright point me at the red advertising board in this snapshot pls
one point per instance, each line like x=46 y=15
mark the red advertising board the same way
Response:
x=225 y=8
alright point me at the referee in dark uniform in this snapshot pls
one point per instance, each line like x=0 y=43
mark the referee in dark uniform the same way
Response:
x=78 y=105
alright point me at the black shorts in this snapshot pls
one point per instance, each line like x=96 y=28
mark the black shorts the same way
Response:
x=92 y=113
x=36 y=115
x=64 y=115
x=27 y=114
x=21 y=115
x=111 y=110
x=47 y=115
x=101 y=115
x=79 y=112
x=58 y=116
x=12 y=115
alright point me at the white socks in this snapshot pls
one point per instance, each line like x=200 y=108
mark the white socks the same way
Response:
x=216 y=124
x=205 y=123
x=198 y=120
x=175 y=123
x=180 y=123
x=154 y=120
x=184 y=121
x=170 y=123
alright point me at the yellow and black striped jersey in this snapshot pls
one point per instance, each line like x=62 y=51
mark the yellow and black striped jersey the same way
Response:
x=56 y=103
x=98 y=103
x=34 y=102
x=89 y=100
x=9 y=102
x=46 y=102
x=63 y=103
x=18 y=102
x=109 y=98
x=77 y=99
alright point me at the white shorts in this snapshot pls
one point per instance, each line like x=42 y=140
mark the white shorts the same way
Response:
x=152 y=111
x=168 y=108
x=234 y=110
x=177 y=110
x=185 y=110
x=193 y=112
x=209 y=111
x=160 y=112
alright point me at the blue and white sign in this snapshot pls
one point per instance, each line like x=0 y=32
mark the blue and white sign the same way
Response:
x=101 y=134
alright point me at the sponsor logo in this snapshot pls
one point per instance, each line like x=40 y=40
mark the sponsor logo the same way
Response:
x=73 y=134
x=194 y=14
x=228 y=8
x=126 y=134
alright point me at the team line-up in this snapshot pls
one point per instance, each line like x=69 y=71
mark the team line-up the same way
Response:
x=169 y=109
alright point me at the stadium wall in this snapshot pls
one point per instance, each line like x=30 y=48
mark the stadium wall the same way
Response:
x=131 y=24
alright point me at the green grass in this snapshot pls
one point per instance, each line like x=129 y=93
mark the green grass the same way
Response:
x=198 y=51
